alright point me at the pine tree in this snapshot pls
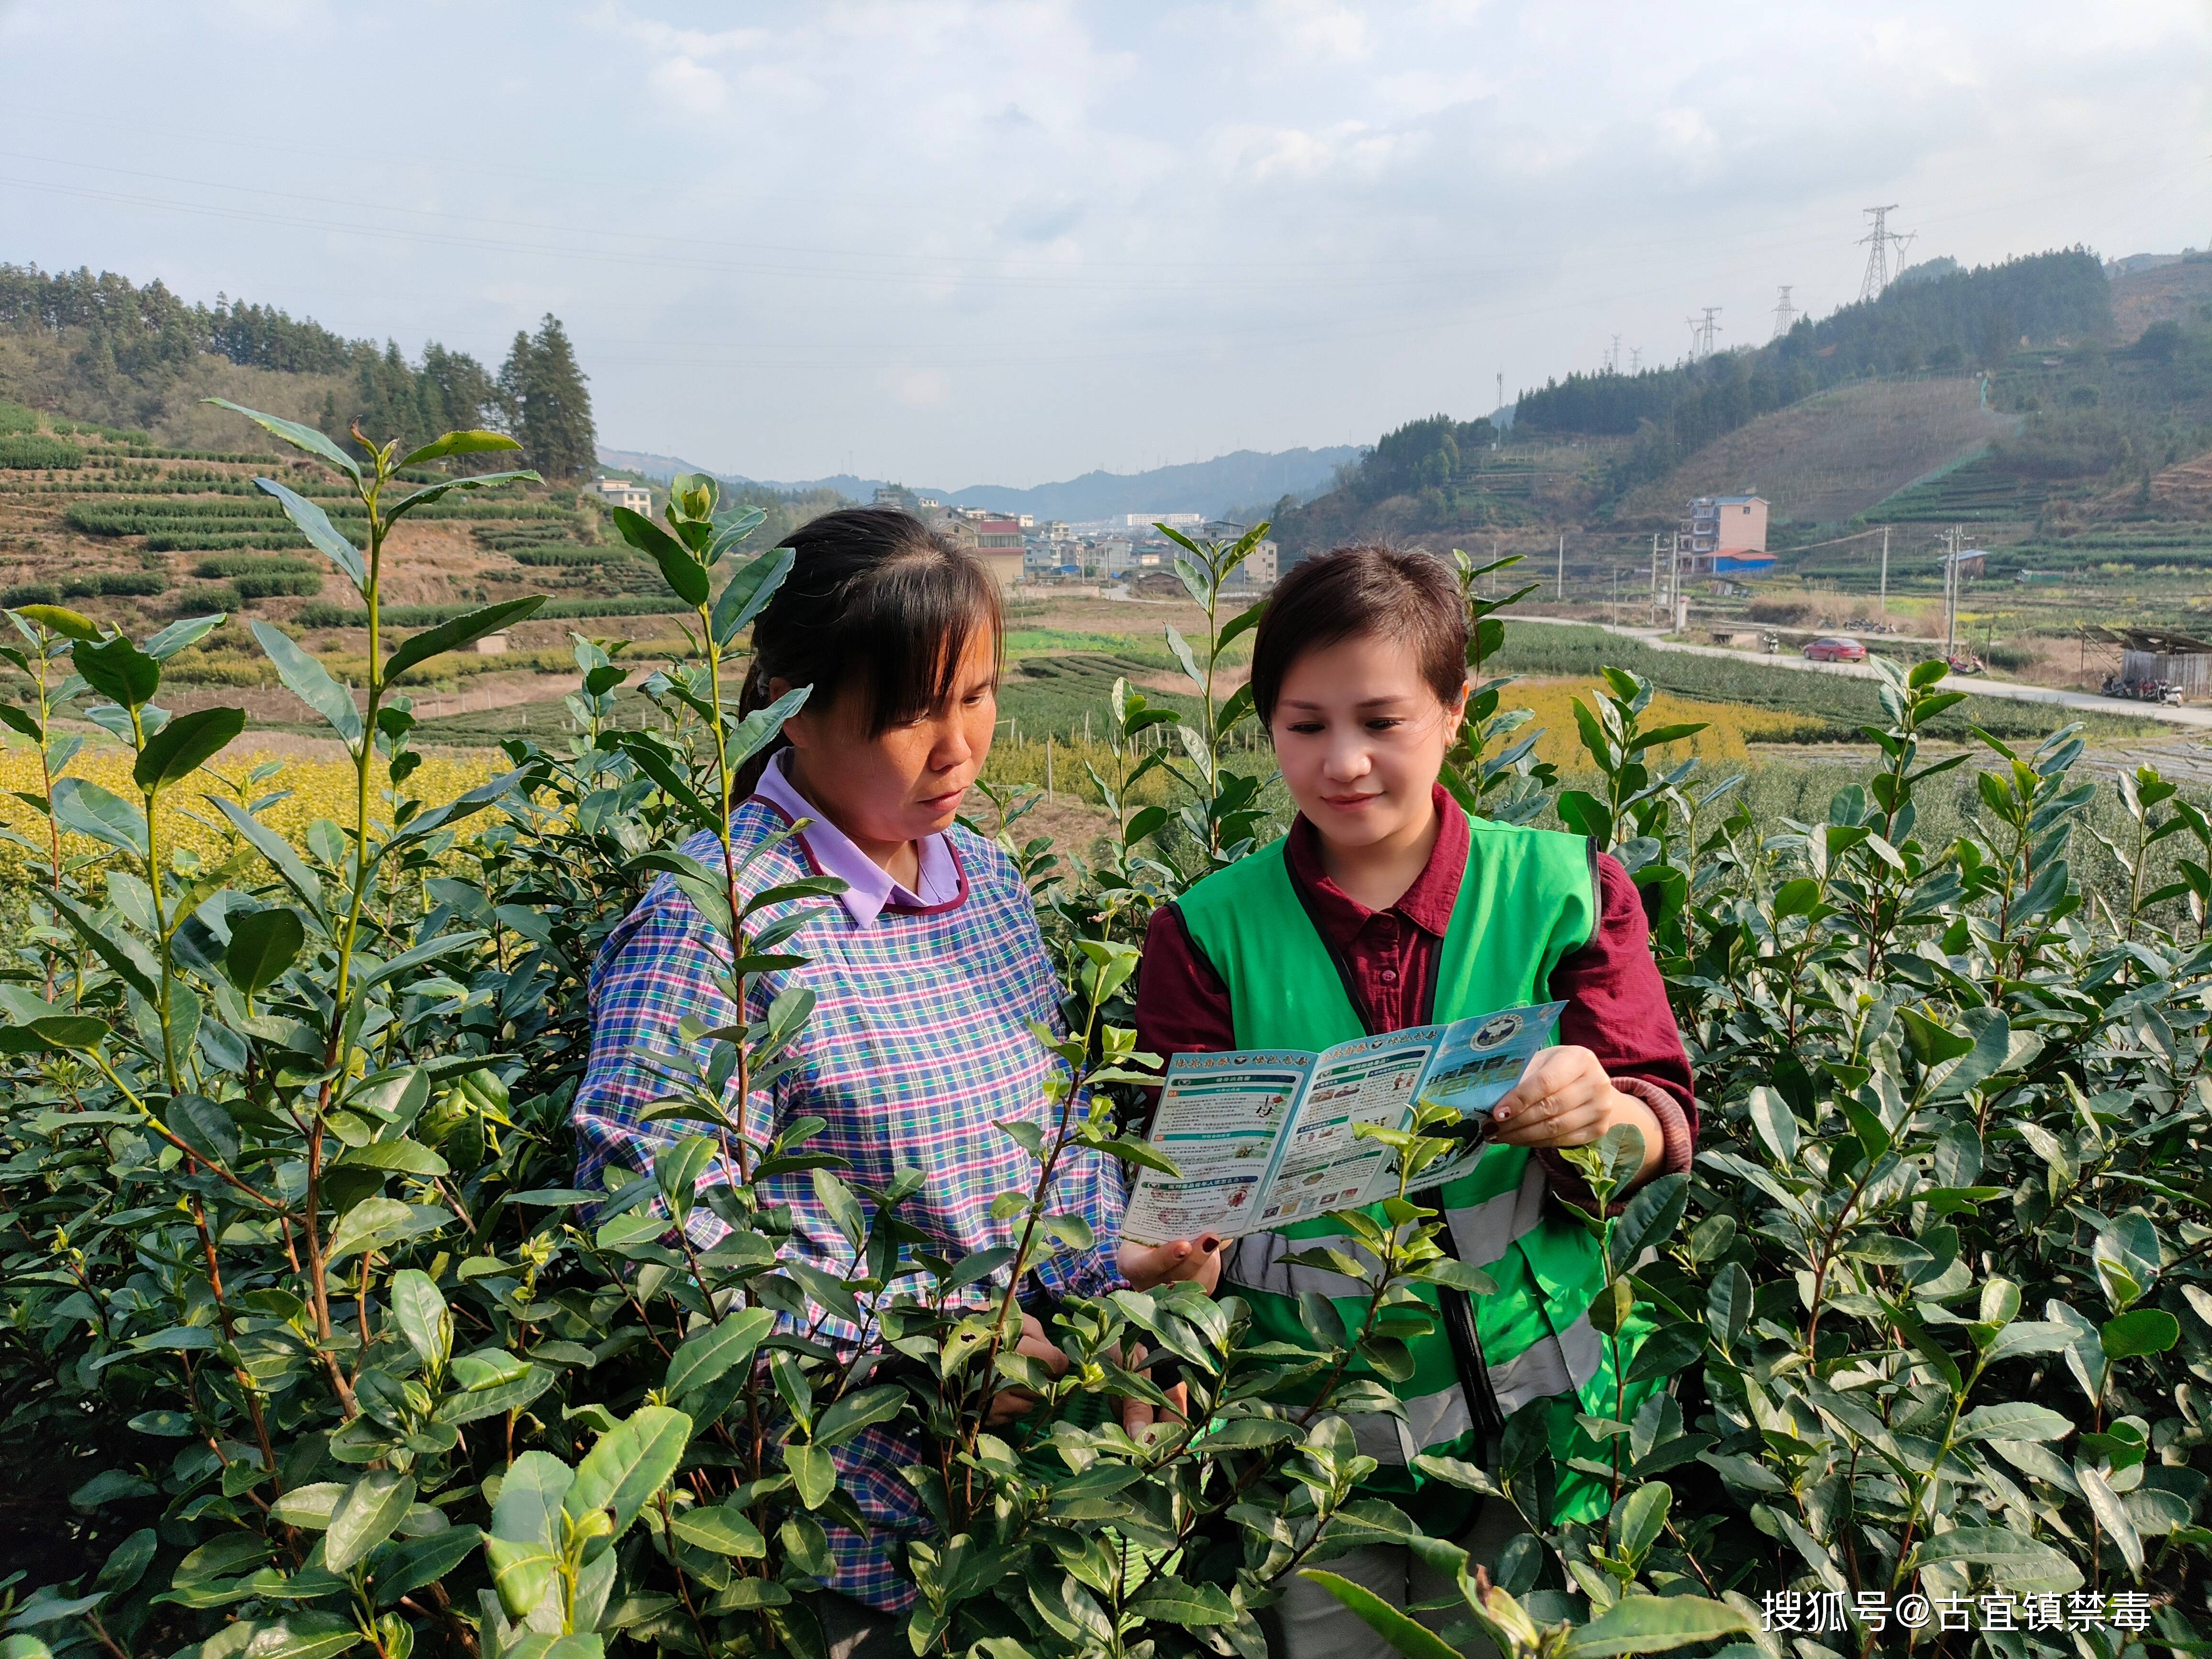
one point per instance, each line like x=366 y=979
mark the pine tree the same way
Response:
x=512 y=374
x=548 y=409
x=453 y=389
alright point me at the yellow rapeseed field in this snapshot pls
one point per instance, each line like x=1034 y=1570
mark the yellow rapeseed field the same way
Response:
x=1732 y=725
x=324 y=788
x=317 y=789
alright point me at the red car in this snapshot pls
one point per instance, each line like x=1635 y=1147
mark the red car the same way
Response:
x=1838 y=649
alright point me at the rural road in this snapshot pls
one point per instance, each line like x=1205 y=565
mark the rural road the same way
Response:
x=1980 y=685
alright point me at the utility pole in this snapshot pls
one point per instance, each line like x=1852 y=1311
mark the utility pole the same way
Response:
x=1501 y=388
x=1616 y=595
x=1784 y=313
x=1884 y=573
x=1674 y=587
x=1950 y=591
x=1655 y=576
x=1560 y=591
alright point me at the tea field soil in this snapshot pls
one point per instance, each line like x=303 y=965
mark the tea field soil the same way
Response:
x=1979 y=685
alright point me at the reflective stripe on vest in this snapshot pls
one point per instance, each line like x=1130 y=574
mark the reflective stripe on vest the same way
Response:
x=1556 y=1363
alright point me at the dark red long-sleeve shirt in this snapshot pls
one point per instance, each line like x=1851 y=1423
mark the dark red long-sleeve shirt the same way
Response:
x=1616 y=1002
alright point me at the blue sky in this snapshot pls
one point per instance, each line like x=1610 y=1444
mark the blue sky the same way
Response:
x=977 y=242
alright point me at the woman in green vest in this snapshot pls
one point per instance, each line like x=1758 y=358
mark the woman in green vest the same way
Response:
x=1386 y=907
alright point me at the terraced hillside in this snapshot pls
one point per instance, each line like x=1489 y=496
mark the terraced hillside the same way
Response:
x=2165 y=293
x=111 y=523
x=1836 y=454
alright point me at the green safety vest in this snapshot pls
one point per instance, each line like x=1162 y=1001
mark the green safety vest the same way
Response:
x=1527 y=899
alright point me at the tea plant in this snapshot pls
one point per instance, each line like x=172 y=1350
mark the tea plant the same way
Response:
x=310 y=1344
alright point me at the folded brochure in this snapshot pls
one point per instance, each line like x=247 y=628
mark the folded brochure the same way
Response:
x=1265 y=1137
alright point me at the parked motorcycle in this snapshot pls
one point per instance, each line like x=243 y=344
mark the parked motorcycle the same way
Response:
x=2163 y=692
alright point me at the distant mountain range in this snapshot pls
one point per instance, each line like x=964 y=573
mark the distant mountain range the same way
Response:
x=1243 y=479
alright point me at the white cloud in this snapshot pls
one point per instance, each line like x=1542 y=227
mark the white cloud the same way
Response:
x=967 y=239
x=689 y=86
x=922 y=389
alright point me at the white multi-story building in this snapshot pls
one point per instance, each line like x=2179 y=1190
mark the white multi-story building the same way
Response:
x=622 y=492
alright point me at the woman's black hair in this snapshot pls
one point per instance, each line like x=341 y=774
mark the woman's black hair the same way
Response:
x=876 y=604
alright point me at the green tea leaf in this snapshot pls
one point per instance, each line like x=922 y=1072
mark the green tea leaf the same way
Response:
x=2141 y=1331
x=365 y=1516
x=2018 y=1419
x=1654 y=1623
x=119 y=671
x=749 y=590
x=707 y=1354
x=474 y=441
x=631 y=1462
x=847 y=1417
x=813 y=1472
x=69 y=625
x=460 y=631
x=524 y=1547
x=299 y=436
x=311 y=521
x=311 y=683
x=686 y=577
x=91 y=811
x=420 y=1309
x=185 y=745
x=1193 y=1605
x=263 y=945
x=1414 y=1639
x=721 y=1530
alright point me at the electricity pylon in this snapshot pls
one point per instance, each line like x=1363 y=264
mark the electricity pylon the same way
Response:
x=1879 y=243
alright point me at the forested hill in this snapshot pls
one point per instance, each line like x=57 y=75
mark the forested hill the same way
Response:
x=1951 y=321
x=1948 y=322
x=99 y=347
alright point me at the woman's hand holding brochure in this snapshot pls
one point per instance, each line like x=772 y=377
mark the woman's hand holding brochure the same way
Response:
x=1261 y=1138
x=1144 y=1266
x=1564 y=1098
